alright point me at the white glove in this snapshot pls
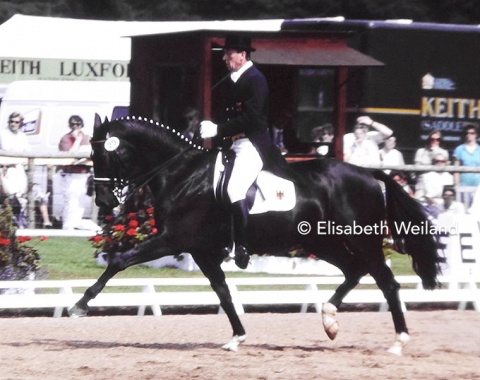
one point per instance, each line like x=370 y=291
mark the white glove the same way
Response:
x=208 y=129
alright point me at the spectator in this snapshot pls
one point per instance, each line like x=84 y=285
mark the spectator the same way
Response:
x=389 y=155
x=424 y=156
x=13 y=176
x=361 y=151
x=323 y=134
x=74 y=179
x=375 y=131
x=430 y=185
x=401 y=178
x=449 y=205
x=468 y=154
x=475 y=207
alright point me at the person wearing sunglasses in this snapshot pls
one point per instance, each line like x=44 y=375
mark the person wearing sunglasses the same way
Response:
x=468 y=154
x=74 y=178
x=425 y=155
x=75 y=140
x=12 y=138
x=13 y=177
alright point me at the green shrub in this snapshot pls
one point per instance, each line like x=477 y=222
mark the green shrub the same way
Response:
x=17 y=259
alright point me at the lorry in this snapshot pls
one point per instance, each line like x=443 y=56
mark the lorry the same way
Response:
x=47 y=106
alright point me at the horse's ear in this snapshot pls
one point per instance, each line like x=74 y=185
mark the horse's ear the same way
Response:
x=98 y=122
x=105 y=120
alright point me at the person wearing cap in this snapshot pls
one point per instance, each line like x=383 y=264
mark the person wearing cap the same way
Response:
x=246 y=125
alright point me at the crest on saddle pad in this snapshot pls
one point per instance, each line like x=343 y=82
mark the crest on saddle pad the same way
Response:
x=268 y=193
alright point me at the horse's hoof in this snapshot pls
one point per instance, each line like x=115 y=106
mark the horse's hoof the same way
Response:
x=330 y=324
x=401 y=341
x=242 y=258
x=77 y=312
x=234 y=343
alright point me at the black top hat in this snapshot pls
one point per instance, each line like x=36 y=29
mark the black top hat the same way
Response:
x=239 y=43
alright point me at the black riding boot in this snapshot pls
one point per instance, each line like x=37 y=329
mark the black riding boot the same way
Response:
x=240 y=220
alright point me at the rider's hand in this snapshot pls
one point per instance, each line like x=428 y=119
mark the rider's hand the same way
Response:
x=208 y=129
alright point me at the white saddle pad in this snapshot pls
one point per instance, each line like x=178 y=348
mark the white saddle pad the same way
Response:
x=274 y=193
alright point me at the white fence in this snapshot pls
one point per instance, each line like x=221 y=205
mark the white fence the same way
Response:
x=155 y=293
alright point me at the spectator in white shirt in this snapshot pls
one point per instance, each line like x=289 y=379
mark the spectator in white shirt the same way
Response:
x=430 y=185
x=389 y=155
x=375 y=131
x=361 y=151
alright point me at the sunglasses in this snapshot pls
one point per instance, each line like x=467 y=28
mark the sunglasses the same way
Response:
x=471 y=133
x=14 y=122
x=75 y=123
x=435 y=138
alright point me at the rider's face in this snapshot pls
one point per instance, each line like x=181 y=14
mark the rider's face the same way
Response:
x=233 y=59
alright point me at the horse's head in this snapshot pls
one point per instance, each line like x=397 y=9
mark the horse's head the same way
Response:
x=134 y=152
x=111 y=156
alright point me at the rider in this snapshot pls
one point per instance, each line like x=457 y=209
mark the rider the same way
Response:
x=247 y=127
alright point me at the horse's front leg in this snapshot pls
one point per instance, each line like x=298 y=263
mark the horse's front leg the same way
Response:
x=80 y=309
x=151 y=249
x=216 y=276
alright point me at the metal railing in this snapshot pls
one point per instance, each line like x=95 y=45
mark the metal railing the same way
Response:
x=52 y=160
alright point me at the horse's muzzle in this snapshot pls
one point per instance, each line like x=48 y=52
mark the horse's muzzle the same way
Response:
x=104 y=197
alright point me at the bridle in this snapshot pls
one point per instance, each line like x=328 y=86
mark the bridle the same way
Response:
x=119 y=184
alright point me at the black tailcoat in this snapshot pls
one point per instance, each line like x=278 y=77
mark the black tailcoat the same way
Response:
x=247 y=112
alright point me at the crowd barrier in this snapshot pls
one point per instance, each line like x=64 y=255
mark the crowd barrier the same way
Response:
x=156 y=293
x=32 y=160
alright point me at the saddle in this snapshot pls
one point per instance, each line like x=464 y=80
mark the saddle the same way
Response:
x=269 y=192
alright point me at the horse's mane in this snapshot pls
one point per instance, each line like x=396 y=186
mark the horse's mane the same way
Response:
x=146 y=131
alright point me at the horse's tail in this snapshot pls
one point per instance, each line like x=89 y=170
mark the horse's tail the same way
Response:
x=403 y=212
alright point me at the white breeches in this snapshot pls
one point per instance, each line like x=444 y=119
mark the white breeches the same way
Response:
x=248 y=164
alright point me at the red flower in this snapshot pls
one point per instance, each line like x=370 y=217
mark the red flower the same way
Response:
x=131 y=232
x=119 y=227
x=151 y=222
x=132 y=215
x=154 y=231
x=109 y=218
x=96 y=238
x=23 y=239
x=4 y=241
x=133 y=224
x=150 y=211
x=43 y=238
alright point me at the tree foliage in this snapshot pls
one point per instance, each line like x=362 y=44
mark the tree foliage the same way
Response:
x=452 y=11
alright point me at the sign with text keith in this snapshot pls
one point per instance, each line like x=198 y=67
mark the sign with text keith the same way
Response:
x=443 y=108
x=13 y=69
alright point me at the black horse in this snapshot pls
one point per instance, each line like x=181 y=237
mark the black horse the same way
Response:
x=179 y=173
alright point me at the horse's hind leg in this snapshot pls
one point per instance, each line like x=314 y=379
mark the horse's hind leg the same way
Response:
x=353 y=272
x=329 y=309
x=390 y=287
